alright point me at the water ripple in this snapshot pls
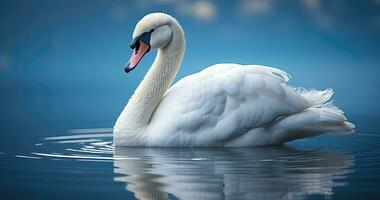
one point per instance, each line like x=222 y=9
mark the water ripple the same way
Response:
x=297 y=170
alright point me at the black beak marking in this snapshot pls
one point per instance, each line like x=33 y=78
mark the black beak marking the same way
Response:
x=144 y=37
x=127 y=69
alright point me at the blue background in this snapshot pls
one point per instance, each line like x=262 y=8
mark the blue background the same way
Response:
x=61 y=62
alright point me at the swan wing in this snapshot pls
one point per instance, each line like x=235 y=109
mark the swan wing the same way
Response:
x=222 y=102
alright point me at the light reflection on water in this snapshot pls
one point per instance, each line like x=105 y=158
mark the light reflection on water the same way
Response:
x=294 y=171
x=86 y=160
x=241 y=173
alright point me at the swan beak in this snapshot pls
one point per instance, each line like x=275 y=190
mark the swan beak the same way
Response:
x=138 y=53
x=141 y=46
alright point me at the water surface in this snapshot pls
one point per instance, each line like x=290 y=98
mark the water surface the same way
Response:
x=84 y=164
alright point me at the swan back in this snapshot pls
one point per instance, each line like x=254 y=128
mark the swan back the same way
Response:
x=221 y=103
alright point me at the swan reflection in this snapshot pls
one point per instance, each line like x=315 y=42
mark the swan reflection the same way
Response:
x=241 y=173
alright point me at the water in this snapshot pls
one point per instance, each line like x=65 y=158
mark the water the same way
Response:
x=83 y=163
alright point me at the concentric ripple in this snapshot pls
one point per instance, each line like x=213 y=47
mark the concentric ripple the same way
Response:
x=96 y=145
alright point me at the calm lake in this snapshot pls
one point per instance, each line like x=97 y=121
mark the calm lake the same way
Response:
x=83 y=164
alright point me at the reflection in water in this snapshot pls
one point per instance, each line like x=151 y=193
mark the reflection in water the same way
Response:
x=289 y=172
x=239 y=173
x=296 y=171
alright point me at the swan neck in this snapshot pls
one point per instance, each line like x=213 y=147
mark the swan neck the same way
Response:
x=156 y=82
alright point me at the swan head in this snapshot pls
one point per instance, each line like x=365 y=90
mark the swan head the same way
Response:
x=152 y=32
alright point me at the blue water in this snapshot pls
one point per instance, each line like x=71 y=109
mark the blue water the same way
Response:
x=62 y=87
x=83 y=163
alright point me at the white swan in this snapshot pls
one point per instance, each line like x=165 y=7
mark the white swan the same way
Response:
x=223 y=105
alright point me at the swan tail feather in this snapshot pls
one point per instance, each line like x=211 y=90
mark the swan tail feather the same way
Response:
x=311 y=122
x=316 y=98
